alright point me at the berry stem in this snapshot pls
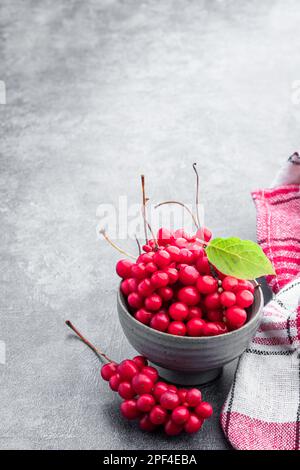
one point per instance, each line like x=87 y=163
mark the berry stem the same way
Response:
x=138 y=244
x=197 y=195
x=101 y=355
x=144 y=207
x=182 y=205
x=104 y=234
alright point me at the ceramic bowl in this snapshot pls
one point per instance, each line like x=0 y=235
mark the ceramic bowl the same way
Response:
x=188 y=360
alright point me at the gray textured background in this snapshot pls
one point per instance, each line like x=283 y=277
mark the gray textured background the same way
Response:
x=98 y=91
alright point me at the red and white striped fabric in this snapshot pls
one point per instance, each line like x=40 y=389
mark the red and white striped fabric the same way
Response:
x=262 y=410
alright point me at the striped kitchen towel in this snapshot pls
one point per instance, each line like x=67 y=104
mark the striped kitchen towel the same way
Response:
x=262 y=410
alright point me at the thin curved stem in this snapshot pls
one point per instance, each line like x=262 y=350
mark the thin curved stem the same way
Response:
x=197 y=194
x=101 y=355
x=144 y=201
x=138 y=244
x=104 y=234
x=182 y=205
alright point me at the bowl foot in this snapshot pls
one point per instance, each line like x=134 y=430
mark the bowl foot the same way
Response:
x=189 y=378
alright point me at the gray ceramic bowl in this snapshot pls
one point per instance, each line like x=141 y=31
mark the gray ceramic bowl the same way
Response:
x=188 y=360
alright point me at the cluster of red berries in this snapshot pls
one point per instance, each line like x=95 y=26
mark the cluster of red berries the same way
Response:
x=155 y=403
x=172 y=289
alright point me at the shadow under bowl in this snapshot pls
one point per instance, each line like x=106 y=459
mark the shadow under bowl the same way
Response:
x=190 y=360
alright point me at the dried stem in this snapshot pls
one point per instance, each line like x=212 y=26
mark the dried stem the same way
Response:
x=101 y=355
x=138 y=244
x=144 y=201
x=104 y=234
x=197 y=194
x=182 y=205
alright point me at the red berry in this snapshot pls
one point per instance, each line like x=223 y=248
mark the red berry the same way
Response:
x=146 y=425
x=164 y=236
x=108 y=370
x=189 y=295
x=126 y=391
x=160 y=321
x=159 y=279
x=129 y=409
x=114 y=382
x=123 y=268
x=235 y=317
x=243 y=284
x=151 y=372
x=188 y=275
x=177 y=328
x=135 y=300
x=138 y=271
x=151 y=268
x=145 y=288
x=202 y=265
x=193 y=397
x=214 y=315
x=146 y=248
x=162 y=258
x=169 y=400
x=207 y=234
x=159 y=389
x=145 y=402
x=140 y=361
x=193 y=424
x=207 y=284
x=222 y=327
x=197 y=251
x=230 y=283
x=143 y=316
x=211 y=329
x=178 y=311
x=172 y=429
x=174 y=252
x=158 y=415
x=195 y=327
x=182 y=395
x=172 y=274
x=145 y=258
x=212 y=301
x=180 y=415
x=129 y=285
x=181 y=242
x=153 y=302
x=166 y=293
x=194 y=312
x=141 y=384
x=244 y=298
x=227 y=299
x=127 y=369
x=172 y=388
x=186 y=256
x=204 y=410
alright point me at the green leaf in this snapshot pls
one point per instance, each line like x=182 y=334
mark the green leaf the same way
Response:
x=243 y=259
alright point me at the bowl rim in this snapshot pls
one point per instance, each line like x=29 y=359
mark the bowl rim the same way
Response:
x=194 y=339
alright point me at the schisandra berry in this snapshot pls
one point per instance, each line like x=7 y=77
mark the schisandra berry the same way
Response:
x=169 y=400
x=243 y=284
x=123 y=268
x=159 y=389
x=212 y=301
x=174 y=252
x=114 y=382
x=180 y=415
x=211 y=329
x=178 y=311
x=172 y=388
x=145 y=288
x=151 y=268
x=193 y=424
x=193 y=397
x=207 y=284
x=129 y=409
x=143 y=316
x=173 y=275
x=186 y=256
x=244 y=298
x=162 y=258
x=138 y=271
x=227 y=299
x=141 y=384
x=235 y=317
x=177 y=328
x=195 y=327
x=135 y=300
x=108 y=370
x=126 y=391
x=203 y=265
x=181 y=242
x=158 y=415
x=222 y=327
x=164 y=236
x=159 y=279
x=194 y=312
x=153 y=302
x=145 y=402
x=160 y=321
x=140 y=361
x=189 y=296
x=151 y=372
x=188 y=275
x=182 y=395
x=166 y=293
x=146 y=425
x=127 y=369
x=214 y=315
x=129 y=285
x=204 y=410
x=172 y=429
x=230 y=283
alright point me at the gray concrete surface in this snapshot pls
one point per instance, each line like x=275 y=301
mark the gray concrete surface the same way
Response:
x=98 y=91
